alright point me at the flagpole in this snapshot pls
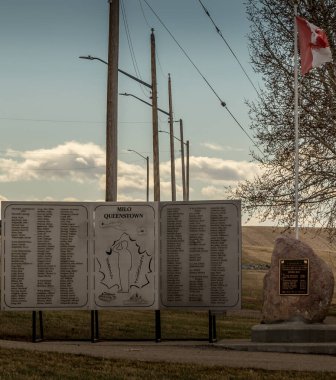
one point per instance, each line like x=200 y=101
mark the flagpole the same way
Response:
x=296 y=120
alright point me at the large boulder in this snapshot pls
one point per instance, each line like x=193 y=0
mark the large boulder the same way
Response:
x=306 y=308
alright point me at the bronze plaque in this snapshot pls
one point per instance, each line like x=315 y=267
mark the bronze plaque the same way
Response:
x=294 y=277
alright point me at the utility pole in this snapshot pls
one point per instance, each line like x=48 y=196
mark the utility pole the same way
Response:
x=185 y=170
x=156 y=160
x=172 y=153
x=187 y=145
x=147 y=181
x=112 y=104
x=182 y=161
x=111 y=124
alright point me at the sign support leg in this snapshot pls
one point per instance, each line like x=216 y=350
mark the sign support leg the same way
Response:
x=41 y=325
x=157 y=326
x=212 y=327
x=94 y=326
x=34 y=327
x=34 y=332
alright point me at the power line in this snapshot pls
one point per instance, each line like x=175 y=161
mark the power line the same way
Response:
x=130 y=45
x=223 y=104
x=70 y=121
x=9 y=153
x=63 y=169
x=52 y=169
x=228 y=46
x=161 y=69
x=243 y=129
x=143 y=13
x=52 y=120
x=157 y=55
x=185 y=53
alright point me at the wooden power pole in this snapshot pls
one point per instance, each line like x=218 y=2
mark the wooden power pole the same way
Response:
x=112 y=104
x=156 y=160
x=171 y=132
x=188 y=173
x=182 y=162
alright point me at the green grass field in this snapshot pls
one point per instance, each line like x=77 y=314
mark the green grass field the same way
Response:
x=124 y=325
x=20 y=364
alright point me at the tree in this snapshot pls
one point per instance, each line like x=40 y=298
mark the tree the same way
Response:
x=271 y=42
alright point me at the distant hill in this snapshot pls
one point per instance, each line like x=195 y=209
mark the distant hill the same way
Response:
x=258 y=243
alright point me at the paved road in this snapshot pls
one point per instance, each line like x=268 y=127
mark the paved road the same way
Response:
x=193 y=352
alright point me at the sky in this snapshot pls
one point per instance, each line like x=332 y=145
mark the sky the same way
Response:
x=53 y=104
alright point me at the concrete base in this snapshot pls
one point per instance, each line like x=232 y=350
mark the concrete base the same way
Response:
x=297 y=348
x=293 y=332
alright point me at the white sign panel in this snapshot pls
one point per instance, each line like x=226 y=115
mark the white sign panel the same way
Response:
x=106 y=255
x=45 y=256
x=201 y=255
x=125 y=257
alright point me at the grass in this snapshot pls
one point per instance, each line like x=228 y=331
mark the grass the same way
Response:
x=253 y=289
x=124 y=325
x=28 y=365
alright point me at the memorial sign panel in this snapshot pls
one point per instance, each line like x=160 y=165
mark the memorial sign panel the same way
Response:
x=125 y=258
x=294 y=277
x=201 y=255
x=45 y=256
x=58 y=255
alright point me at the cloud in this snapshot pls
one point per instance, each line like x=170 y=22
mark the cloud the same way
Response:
x=71 y=199
x=72 y=160
x=213 y=192
x=220 y=148
x=81 y=162
x=220 y=170
x=84 y=163
x=208 y=176
x=211 y=146
x=212 y=175
x=130 y=177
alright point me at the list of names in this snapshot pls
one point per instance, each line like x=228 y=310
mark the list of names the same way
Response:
x=45 y=256
x=201 y=255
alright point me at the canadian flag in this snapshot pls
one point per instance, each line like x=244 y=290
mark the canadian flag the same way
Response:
x=314 y=46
